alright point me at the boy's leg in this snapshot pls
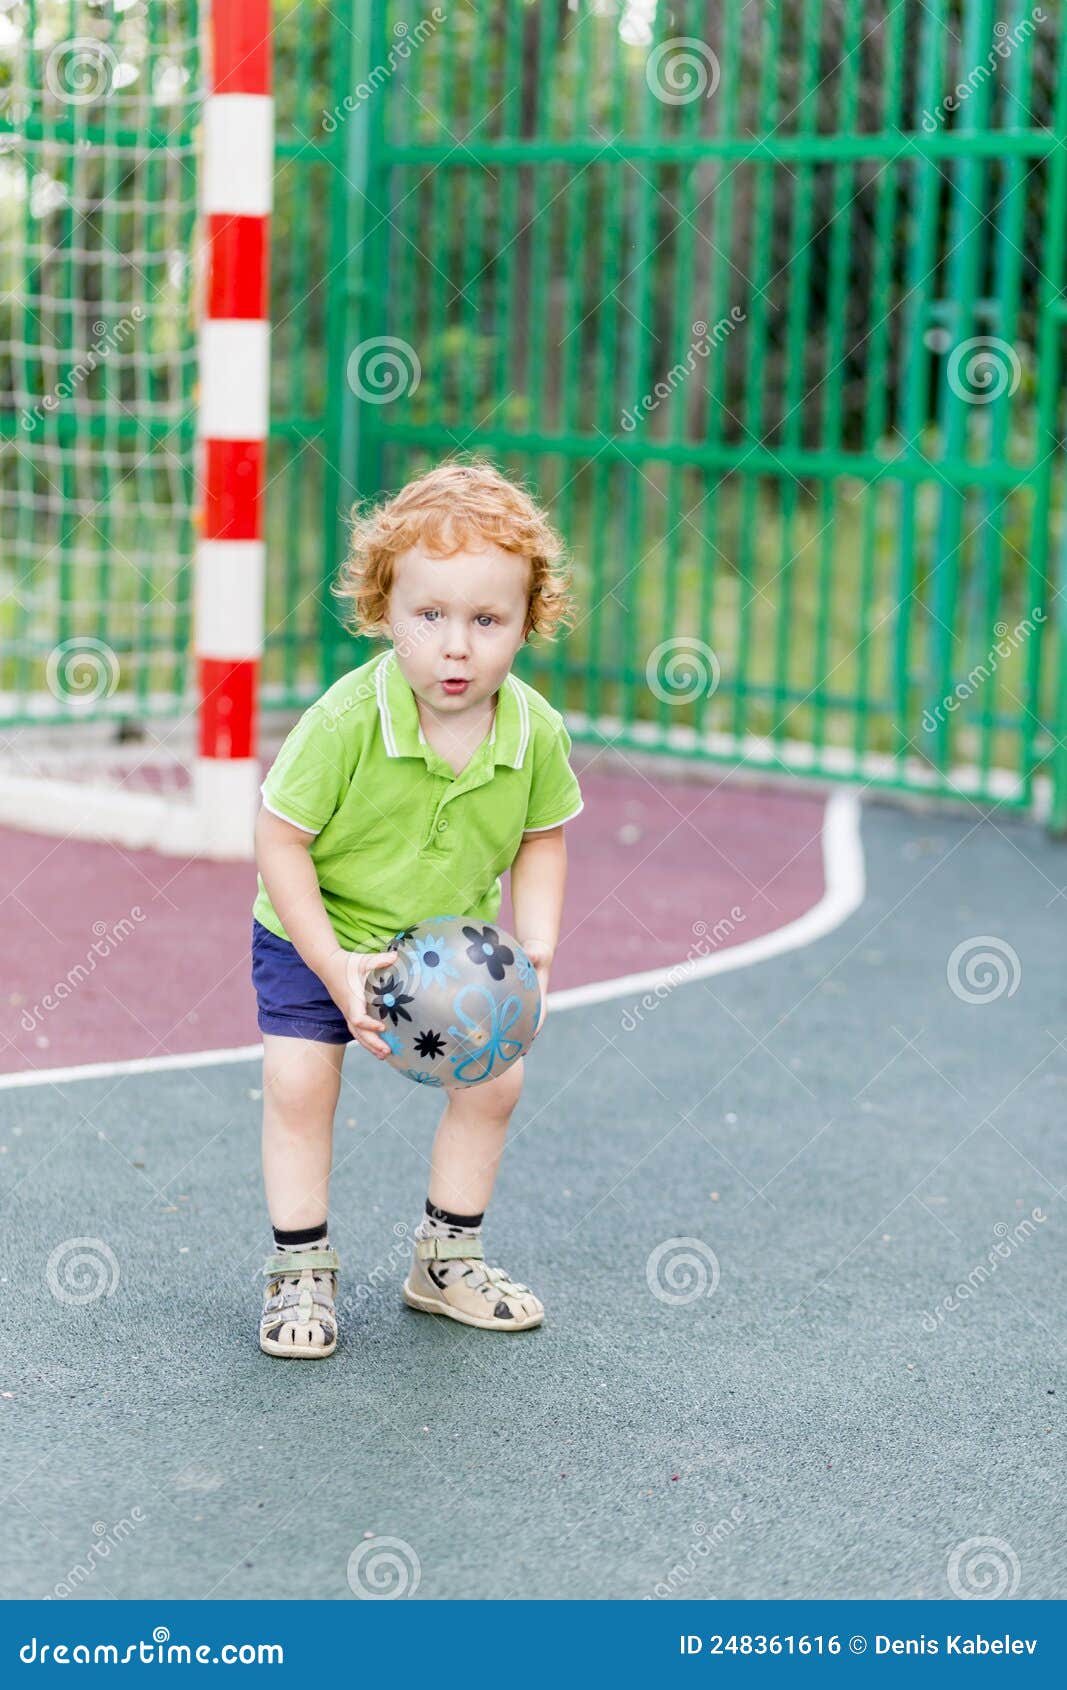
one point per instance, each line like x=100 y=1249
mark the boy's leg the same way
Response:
x=301 y=1085
x=448 y=1274
x=470 y=1141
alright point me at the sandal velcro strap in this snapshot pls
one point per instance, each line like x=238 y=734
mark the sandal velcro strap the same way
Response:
x=298 y=1261
x=444 y=1248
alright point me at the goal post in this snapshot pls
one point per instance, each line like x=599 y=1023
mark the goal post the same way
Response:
x=136 y=168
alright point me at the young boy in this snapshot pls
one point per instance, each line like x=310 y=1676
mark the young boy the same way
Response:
x=403 y=794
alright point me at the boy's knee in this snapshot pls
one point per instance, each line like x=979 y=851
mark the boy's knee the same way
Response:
x=500 y=1095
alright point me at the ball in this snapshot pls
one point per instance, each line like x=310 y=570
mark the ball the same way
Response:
x=460 y=1003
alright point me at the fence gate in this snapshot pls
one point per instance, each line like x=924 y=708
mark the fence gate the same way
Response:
x=773 y=325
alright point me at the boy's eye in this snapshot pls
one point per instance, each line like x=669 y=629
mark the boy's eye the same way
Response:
x=483 y=618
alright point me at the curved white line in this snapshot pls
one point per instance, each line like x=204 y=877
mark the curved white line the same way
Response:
x=845 y=888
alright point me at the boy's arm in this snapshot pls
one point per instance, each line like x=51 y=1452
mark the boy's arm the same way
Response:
x=293 y=888
x=538 y=882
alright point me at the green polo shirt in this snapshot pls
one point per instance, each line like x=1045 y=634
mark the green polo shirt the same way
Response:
x=399 y=837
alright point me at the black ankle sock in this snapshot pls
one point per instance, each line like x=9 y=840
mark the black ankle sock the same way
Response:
x=447 y=1218
x=303 y=1238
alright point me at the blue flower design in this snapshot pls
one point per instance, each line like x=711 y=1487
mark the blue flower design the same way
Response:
x=525 y=970
x=432 y=961
x=395 y=1046
x=501 y=1017
x=422 y=1078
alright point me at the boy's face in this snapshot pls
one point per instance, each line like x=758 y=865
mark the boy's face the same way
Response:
x=460 y=617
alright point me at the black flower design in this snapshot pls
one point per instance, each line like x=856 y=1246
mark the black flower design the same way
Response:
x=485 y=947
x=390 y=1000
x=430 y=1044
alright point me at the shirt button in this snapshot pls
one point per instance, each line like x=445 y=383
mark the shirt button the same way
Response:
x=441 y=826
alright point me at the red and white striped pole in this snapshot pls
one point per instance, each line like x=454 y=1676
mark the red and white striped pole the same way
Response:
x=238 y=165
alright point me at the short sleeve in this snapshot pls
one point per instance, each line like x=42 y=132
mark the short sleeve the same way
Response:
x=310 y=775
x=555 y=795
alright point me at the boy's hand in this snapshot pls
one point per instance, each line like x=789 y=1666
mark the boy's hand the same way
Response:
x=345 y=978
x=540 y=955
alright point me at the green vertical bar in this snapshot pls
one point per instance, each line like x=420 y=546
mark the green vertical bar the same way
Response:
x=758 y=362
x=1051 y=460
x=722 y=295
x=837 y=306
x=573 y=243
x=965 y=242
x=638 y=563
x=604 y=527
x=681 y=528
x=1008 y=240
x=786 y=643
x=925 y=182
x=355 y=314
x=876 y=407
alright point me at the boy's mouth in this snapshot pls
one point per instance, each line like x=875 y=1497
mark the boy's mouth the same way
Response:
x=457 y=686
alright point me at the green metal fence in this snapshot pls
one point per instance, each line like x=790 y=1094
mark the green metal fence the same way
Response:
x=774 y=329
x=777 y=336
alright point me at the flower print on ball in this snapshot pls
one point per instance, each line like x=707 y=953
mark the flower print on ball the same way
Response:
x=485 y=947
x=464 y=998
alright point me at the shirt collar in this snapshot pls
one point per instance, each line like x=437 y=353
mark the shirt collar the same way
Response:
x=402 y=732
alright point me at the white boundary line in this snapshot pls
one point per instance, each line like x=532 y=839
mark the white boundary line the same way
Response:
x=845 y=888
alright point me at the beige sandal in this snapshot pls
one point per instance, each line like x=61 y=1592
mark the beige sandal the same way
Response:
x=480 y=1296
x=299 y=1317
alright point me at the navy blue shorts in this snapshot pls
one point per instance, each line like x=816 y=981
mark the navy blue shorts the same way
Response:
x=292 y=999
